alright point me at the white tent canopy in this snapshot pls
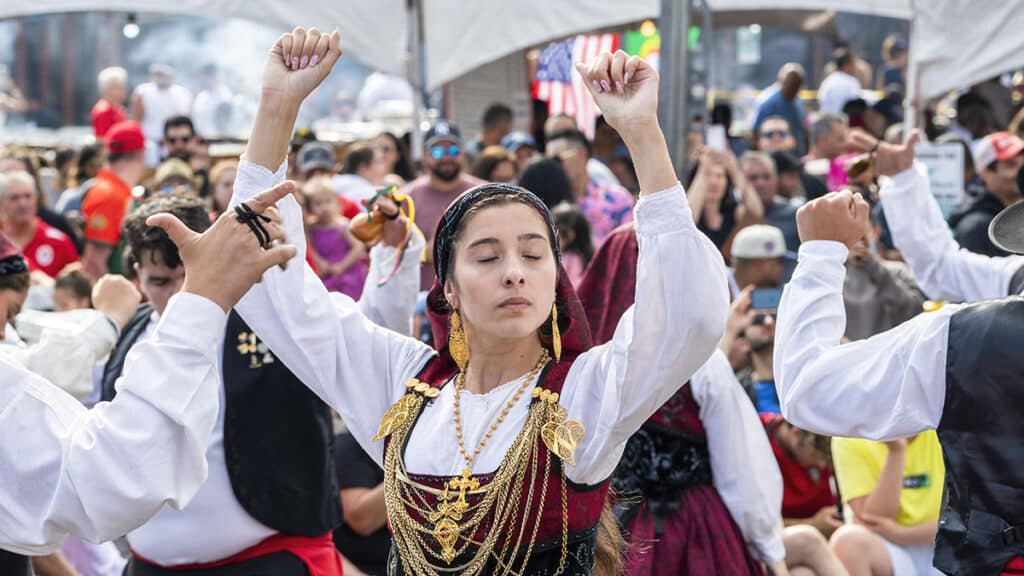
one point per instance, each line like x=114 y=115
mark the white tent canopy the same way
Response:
x=458 y=38
x=954 y=42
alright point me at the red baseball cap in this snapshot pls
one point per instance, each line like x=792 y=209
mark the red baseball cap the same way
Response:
x=125 y=137
x=996 y=147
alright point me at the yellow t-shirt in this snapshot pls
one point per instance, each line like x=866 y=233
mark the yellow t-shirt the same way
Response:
x=858 y=464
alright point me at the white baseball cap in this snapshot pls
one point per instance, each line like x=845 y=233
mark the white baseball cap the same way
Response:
x=759 y=241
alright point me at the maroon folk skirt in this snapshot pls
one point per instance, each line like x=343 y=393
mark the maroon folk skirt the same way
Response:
x=698 y=538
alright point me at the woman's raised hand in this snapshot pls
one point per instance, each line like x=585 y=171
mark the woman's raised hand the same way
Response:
x=625 y=88
x=299 y=62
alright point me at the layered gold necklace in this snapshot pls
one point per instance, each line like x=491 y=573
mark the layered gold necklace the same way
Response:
x=453 y=522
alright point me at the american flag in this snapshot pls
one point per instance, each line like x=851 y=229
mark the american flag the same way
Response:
x=561 y=86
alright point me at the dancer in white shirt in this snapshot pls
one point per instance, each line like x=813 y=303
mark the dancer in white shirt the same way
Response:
x=99 y=473
x=957 y=370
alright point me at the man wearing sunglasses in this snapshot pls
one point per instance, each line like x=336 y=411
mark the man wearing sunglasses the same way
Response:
x=443 y=181
x=775 y=134
x=179 y=135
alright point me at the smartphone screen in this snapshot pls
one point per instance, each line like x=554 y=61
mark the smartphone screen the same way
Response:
x=714 y=137
x=765 y=298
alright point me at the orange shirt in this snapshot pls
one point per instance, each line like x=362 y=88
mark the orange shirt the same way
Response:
x=104 y=207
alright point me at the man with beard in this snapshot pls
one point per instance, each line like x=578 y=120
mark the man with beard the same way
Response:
x=443 y=182
x=179 y=134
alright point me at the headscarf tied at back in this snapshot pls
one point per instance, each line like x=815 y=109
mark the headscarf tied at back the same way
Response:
x=11 y=260
x=572 y=322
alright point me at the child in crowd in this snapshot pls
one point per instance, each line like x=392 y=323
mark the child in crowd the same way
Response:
x=340 y=258
x=72 y=290
x=574 y=240
x=892 y=493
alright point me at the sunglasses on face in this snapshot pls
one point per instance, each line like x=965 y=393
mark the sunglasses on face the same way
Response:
x=176 y=139
x=451 y=151
x=776 y=134
x=762 y=319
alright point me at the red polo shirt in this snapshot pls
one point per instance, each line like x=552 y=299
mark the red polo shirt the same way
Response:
x=50 y=250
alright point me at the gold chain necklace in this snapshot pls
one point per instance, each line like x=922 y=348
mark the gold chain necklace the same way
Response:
x=450 y=511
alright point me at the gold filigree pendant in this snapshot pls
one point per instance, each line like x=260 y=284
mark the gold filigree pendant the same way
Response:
x=562 y=435
x=397 y=416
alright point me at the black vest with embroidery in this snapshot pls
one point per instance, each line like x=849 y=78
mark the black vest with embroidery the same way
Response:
x=981 y=432
x=585 y=503
x=278 y=436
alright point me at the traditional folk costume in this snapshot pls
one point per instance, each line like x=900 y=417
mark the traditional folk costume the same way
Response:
x=528 y=500
x=957 y=370
x=102 y=472
x=271 y=501
x=698 y=489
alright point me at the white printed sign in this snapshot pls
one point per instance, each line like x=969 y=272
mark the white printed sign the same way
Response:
x=945 y=164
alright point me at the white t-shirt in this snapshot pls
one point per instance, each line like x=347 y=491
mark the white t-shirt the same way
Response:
x=836 y=90
x=159 y=105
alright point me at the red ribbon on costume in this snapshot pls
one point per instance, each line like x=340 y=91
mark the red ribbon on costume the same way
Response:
x=317 y=553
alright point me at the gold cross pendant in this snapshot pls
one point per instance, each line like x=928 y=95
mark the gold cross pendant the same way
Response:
x=448 y=514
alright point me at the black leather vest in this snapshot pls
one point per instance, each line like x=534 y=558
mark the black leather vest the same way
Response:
x=981 y=431
x=278 y=436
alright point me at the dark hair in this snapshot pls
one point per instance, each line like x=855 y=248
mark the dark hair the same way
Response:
x=721 y=114
x=489 y=159
x=143 y=238
x=842 y=57
x=76 y=282
x=496 y=113
x=63 y=158
x=175 y=121
x=575 y=137
x=88 y=156
x=359 y=155
x=18 y=281
x=547 y=179
x=459 y=213
x=569 y=217
x=404 y=166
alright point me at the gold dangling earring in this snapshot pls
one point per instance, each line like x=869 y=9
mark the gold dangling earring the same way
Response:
x=556 y=336
x=457 y=346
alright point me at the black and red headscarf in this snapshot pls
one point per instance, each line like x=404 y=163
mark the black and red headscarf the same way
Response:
x=572 y=322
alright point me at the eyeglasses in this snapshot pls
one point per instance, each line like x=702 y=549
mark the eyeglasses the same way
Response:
x=451 y=151
x=770 y=134
x=762 y=319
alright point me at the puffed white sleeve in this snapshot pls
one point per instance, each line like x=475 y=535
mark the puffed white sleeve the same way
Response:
x=744 y=468
x=896 y=380
x=101 y=473
x=943 y=269
x=672 y=328
x=353 y=364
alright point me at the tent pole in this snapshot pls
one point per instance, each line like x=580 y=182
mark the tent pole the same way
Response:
x=911 y=105
x=673 y=94
x=416 y=74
